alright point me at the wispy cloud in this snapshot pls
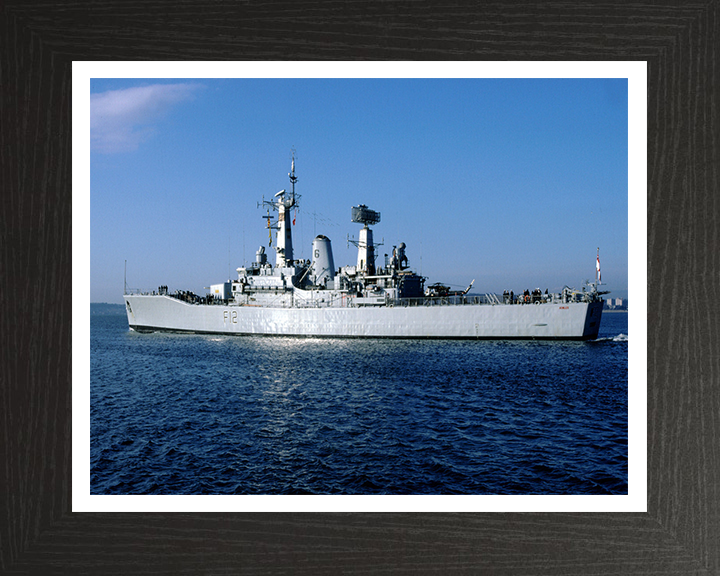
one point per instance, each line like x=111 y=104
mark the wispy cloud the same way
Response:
x=121 y=119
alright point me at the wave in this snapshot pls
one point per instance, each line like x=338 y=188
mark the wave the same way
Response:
x=619 y=338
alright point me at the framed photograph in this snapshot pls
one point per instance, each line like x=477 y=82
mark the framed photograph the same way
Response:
x=672 y=532
x=370 y=387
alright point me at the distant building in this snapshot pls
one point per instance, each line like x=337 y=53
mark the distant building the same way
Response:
x=616 y=304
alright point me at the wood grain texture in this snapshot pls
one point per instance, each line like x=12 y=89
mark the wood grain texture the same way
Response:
x=680 y=534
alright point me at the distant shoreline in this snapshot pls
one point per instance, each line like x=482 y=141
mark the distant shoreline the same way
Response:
x=105 y=308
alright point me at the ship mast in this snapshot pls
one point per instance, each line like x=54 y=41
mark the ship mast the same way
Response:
x=284 y=203
x=366 y=248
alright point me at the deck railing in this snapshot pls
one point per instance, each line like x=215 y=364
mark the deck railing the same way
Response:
x=460 y=300
x=342 y=301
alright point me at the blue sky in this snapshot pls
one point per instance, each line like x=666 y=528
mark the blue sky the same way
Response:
x=512 y=182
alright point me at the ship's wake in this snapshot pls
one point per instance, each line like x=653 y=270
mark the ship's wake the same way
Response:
x=619 y=338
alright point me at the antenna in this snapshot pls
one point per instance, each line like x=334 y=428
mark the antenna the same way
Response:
x=283 y=203
x=125 y=280
x=363 y=215
x=366 y=248
x=291 y=175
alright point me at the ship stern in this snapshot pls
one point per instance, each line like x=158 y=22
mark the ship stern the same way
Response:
x=592 y=320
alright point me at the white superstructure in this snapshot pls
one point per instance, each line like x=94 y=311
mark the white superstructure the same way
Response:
x=369 y=299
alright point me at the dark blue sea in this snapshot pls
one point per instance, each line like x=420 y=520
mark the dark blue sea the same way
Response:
x=192 y=414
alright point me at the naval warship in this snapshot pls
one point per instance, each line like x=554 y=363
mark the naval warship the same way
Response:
x=370 y=299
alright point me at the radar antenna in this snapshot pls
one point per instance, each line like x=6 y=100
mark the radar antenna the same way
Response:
x=366 y=248
x=363 y=215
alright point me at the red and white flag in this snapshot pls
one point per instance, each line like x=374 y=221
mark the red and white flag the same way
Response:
x=597 y=266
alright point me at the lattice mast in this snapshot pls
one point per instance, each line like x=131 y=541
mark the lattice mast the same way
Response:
x=283 y=202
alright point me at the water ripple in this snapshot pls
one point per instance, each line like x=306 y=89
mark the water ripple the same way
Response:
x=185 y=414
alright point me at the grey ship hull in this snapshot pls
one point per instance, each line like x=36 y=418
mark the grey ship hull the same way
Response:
x=567 y=321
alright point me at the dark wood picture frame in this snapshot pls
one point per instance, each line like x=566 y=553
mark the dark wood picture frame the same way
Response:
x=681 y=530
